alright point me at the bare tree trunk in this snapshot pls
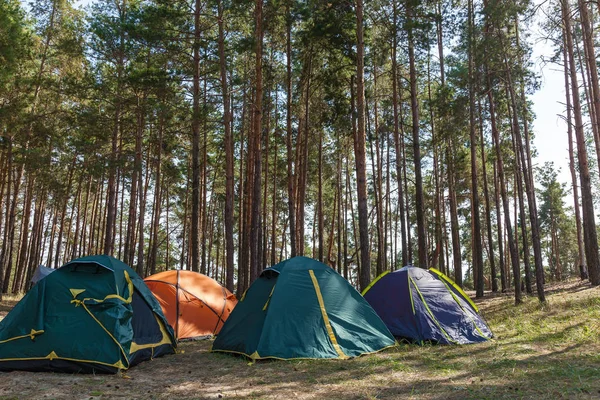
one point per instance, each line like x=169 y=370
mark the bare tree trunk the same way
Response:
x=111 y=199
x=583 y=273
x=35 y=246
x=157 y=201
x=397 y=140
x=414 y=102
x=24 y=237
x=477 y=247
x=195 y=225
x=229 y=162
x=7 y=220
x=255 y=228
x=437 y=245
x=129 y=248
x=288 y=142
x=75 y=248
x=140 y=235
x=488 y=218
x=63 y=213
x=274 y=213
x=514 y=256
x=588 y=217
x=320 y=197
x=378 y=184
x=360 y=153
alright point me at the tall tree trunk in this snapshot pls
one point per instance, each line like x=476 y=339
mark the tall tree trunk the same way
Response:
x=492 y=258
x=320 y=197
x=454 y=225
x=436 y=260
x=302 y=154
x=157 y=200
x=378 y=172
x=229 y=188
x=288 y=140
x=583 y=273
x=591 y=62
x=477 y=247
x=129 y=247
x=414 y=102
x=360 y=153
x=255 y=260
x=24 y=239
x=397 y=138
x=111 y=200
x=588 y=217
x=203 y=177
x=501 y=264
x=514 y=256
x=195 y=224
x=7 y=223
x=141 y=217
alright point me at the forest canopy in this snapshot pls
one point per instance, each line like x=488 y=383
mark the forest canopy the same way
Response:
x=225 y=136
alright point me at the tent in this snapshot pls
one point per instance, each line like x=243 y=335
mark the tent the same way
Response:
x=426 y=306
x=195 y=305
x=40 y=272
x=301 y=308
x=94 y=314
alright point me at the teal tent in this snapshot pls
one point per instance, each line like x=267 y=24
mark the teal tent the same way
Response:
x=301 y=308
x=94 y=314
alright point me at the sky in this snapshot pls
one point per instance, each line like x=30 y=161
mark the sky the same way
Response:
x=548 y=104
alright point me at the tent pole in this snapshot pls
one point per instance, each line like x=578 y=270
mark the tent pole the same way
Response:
x=177 y=308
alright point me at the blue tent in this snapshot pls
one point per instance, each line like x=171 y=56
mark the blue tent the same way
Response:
x=40 y=273
x=426 y=306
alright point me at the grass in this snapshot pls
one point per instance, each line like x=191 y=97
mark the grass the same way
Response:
x=539 y=351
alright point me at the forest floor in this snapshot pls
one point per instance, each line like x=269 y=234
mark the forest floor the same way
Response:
x=539 y=352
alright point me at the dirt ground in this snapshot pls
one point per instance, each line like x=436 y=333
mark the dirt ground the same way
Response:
x=513 y=365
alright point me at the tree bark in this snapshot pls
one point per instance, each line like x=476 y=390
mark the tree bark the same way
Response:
x=229 y=161
x=414 y=102
x=588 y=217
x=397 y=138
x=583 y=273
x=195 y=223
x=476 y=238
x=360 y=153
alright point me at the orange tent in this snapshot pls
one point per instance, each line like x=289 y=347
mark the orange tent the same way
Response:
x=194 y=304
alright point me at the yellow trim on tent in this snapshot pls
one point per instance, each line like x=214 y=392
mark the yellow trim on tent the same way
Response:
x=128 y=300
x=412 y=303
x=455 y=297
x=165 y=339
x=254 y=356
x=31 y=335
x=107 y=332
x=76 y=292
x=54 y=356
x=431 y=313
x=269 y=298
x=455 y=286
x=110 y=296
x=365 y=290
x=332 y=337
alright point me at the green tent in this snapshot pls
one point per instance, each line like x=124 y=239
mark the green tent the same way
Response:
x=94 y=314
x=301 y=308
